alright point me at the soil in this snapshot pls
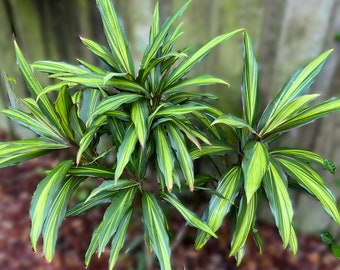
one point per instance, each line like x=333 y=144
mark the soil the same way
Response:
x=18 y=183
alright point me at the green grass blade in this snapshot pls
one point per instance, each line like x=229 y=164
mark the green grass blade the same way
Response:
x=165 y=159
x=56 y=215
x=190 y=217
x=297 y=85
x=249 y=83
x=254 y=166
x=275 y=185
x=155 y=227
x=314 y=186
x=192 y=60
x=182 y=154
x=43 y=198
x=125 y=151
x=228 y=188
x=119 y=239
x=115 y=35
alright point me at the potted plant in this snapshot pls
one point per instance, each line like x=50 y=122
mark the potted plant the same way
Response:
x=158 y=130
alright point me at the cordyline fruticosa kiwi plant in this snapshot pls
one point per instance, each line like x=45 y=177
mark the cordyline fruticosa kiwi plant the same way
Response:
x=157 y=129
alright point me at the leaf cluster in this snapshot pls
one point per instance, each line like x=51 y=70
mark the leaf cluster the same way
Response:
x=157 y=129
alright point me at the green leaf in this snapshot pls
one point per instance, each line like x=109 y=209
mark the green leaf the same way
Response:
x=112 y=103
x=182 y=154
x=35 y=88
x=91 y=171
x=58 y=67
x=245 y=218
x=195 y=81
x=43 y=198
x=156 y=231
x=56 y=215
x=190 y=217
x=116 y=211
x=28 y=121
x=297 y=85
x=327 y=238
x=99 y=196
x=90 y=100
x=93 y=244
x=286 y=113
x=139 y=117
x=275 y=183
x=304 y=155
x=55 y=87
x=192 y=60
x=249 y=83
x=102 y=52
x=119 y=238
x=254 y=166
x=98 y=80
x=228 y=188
x=183 y=96
x=179 y=110
x=115 y=35
x=88 y=136
x=313 y=185
x=293 y=242
x=335 y=250
x=310 y=114
x=110 y=186
x=14 y=152
x=165 y=159
x=63 y=107
x=125 y=151
x=233 y=121
x=76 y=124
x=157 y=36
x=217 y=148
x=113 y=217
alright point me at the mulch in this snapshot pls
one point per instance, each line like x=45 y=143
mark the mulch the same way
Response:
x=18 y=183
